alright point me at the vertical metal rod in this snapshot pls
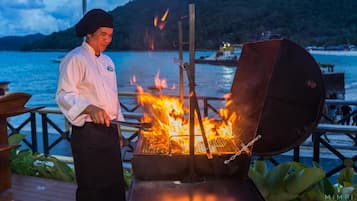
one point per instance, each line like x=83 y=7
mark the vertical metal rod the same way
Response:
x=181 y=61
x=84 y=6
x=199 y=117
x=192 y=78
x=84 y=10
x=205 y=107
x=192 y=176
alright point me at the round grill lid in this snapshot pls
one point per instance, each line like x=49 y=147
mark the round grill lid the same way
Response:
x=278 y=93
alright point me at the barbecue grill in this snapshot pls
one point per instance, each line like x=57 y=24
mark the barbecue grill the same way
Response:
x=277 y=93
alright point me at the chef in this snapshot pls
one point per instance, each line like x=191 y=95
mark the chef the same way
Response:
x=88 y=97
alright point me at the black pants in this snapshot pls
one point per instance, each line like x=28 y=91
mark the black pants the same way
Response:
x=97 y=162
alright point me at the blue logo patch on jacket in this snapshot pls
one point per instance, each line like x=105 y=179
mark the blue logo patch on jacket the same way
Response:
x=109 y=68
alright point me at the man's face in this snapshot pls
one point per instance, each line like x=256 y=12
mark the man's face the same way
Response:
x=100 y=39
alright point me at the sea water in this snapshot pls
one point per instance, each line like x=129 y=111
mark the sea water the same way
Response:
x=35 y=72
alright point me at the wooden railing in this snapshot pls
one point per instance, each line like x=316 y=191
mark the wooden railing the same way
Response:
x=17 y=129
x=333 y=129
x=330 y=125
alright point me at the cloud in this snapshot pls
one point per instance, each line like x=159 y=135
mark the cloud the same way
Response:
x=39 y=20
x=21 y=4
x=23 y=17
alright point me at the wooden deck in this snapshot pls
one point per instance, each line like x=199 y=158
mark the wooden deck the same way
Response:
x=25 y=188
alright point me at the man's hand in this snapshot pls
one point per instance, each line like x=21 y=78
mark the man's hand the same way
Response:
x=98 y=115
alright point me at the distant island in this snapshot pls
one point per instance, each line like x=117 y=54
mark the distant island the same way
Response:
x=18 y=42
x=308 y=23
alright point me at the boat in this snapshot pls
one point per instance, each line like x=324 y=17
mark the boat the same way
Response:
x=225 y=56
x=57 y=59
x=334 y=81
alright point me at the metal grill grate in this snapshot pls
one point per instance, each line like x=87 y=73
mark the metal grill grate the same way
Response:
x=180 y=145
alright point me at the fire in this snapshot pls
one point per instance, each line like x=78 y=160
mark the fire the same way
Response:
x=164 y=17
x=170 y=125
x=162 y=23
x=133 y=80
x=155 y=21
x=149 y=40
x=158 y=23
x=159 y=83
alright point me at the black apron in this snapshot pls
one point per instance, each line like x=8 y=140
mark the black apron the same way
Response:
x=97 y=161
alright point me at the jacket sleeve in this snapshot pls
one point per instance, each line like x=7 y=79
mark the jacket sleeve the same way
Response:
x=72 y=70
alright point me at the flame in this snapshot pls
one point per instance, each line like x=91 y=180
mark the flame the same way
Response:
x=149 y=40
x=160 y=84
x=163 y=19
x=196 y=196
x=227 y=96
x=170 y=125
x=155 y=21
x=133 y=80
x=152 y=44
x=162 y=25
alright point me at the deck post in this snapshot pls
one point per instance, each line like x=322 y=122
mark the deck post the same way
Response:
x=33 y=133
x=316 y=142
x=10 y=105
x=45 y=134
x=5 y=173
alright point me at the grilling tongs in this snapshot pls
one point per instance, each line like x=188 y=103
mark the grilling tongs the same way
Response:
x=142 y=126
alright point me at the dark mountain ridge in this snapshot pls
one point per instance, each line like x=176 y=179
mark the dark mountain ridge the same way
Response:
x=307 y=22
x=17 y=42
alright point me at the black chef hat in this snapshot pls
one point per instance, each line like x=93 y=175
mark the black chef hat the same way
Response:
x=93 y=20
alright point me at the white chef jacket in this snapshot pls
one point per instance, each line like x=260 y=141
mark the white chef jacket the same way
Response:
x=87 y=79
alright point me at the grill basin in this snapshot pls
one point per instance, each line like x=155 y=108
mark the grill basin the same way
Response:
x=277 y=92
x=148 y=166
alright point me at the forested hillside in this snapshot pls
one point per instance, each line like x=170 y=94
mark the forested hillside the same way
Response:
x=307 y=22
x=17 y=42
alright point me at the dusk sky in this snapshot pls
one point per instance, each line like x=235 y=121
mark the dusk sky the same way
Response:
x=23 y=17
